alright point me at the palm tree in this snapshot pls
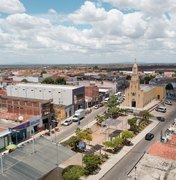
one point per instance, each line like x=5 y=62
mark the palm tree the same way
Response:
x=100 y=119
x=126 y=135
x=146 y=115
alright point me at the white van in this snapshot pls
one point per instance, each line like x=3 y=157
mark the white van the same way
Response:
x=161 y=109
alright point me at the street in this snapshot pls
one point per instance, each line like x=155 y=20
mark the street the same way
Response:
x=69 y=130
x=122 y=168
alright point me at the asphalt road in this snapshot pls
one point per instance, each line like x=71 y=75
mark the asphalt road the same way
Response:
x=69 y=130
x=123 y=167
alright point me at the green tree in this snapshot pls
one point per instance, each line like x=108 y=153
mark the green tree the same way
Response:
x=61 y=81
x=117 y=142
x=108 y=144
x=113 y=111
x=48 y=81
x=133 y=124
x=43 y=72
x=73 y=172
x=73 y=141
x=83 y=135
x=91 y=162
x=126 y=135
x=24 y=81
x=112 y=101
x=169 y=87
x=114 y=144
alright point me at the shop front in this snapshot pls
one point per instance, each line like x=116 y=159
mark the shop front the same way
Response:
x=19 y=133
x=35 y=125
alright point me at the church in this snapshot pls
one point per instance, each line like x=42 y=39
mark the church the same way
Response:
x=138 y=96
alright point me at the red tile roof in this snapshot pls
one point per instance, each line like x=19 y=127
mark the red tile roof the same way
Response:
x=166 y=151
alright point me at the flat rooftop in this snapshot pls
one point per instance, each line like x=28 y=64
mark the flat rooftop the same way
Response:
x=23 y=164
x=5 y=124
x=25 y=99
x=153 y=167
x=48 y=86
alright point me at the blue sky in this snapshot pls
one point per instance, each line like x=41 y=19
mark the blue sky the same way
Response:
x=42 y=6
x=77 y=31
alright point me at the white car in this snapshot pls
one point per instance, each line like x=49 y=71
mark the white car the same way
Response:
x=96 y=107
x=67 y=122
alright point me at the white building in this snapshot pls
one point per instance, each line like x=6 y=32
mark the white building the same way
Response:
x=59 y=94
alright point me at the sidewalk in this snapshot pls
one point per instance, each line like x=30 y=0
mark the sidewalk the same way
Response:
x=117 y=157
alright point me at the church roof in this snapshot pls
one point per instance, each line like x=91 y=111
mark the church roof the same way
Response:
x=146 y=88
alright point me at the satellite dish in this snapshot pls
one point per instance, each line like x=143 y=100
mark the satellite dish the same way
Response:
x=20 y=118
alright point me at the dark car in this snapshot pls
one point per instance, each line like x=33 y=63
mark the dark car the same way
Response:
x=149 y=136
x=168 y=102
x=161 y=119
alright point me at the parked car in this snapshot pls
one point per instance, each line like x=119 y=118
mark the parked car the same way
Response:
x=160 y=109
x=96 y=106
x=67 y=122
x=168 y=102
x=149 y=136
x=161 y=119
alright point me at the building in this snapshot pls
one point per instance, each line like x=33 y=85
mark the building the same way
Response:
x=72 y=97
x=138 y=96
x=91 y=95
x=38 y=112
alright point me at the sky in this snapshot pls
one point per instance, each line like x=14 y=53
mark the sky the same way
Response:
x=87 y=32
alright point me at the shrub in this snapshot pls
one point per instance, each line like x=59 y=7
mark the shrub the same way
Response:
x=92 y=162
x=73 y=172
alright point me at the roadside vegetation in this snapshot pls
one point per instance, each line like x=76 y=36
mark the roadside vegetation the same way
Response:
x=80 y=136
x=91 y=163
x=119 y=141
x=59 y=81
x=138 y=123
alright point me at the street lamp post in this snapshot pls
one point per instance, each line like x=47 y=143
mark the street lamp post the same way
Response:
x=54 y=121
x=2 y=168
x=33 y=143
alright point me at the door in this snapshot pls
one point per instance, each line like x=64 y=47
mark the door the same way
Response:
x=133 y=103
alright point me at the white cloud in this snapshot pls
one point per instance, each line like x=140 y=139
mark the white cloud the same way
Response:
x=11 y=6
x=111 y=35
x=88 y=13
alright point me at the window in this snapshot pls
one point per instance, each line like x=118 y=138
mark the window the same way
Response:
x=133 y=94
